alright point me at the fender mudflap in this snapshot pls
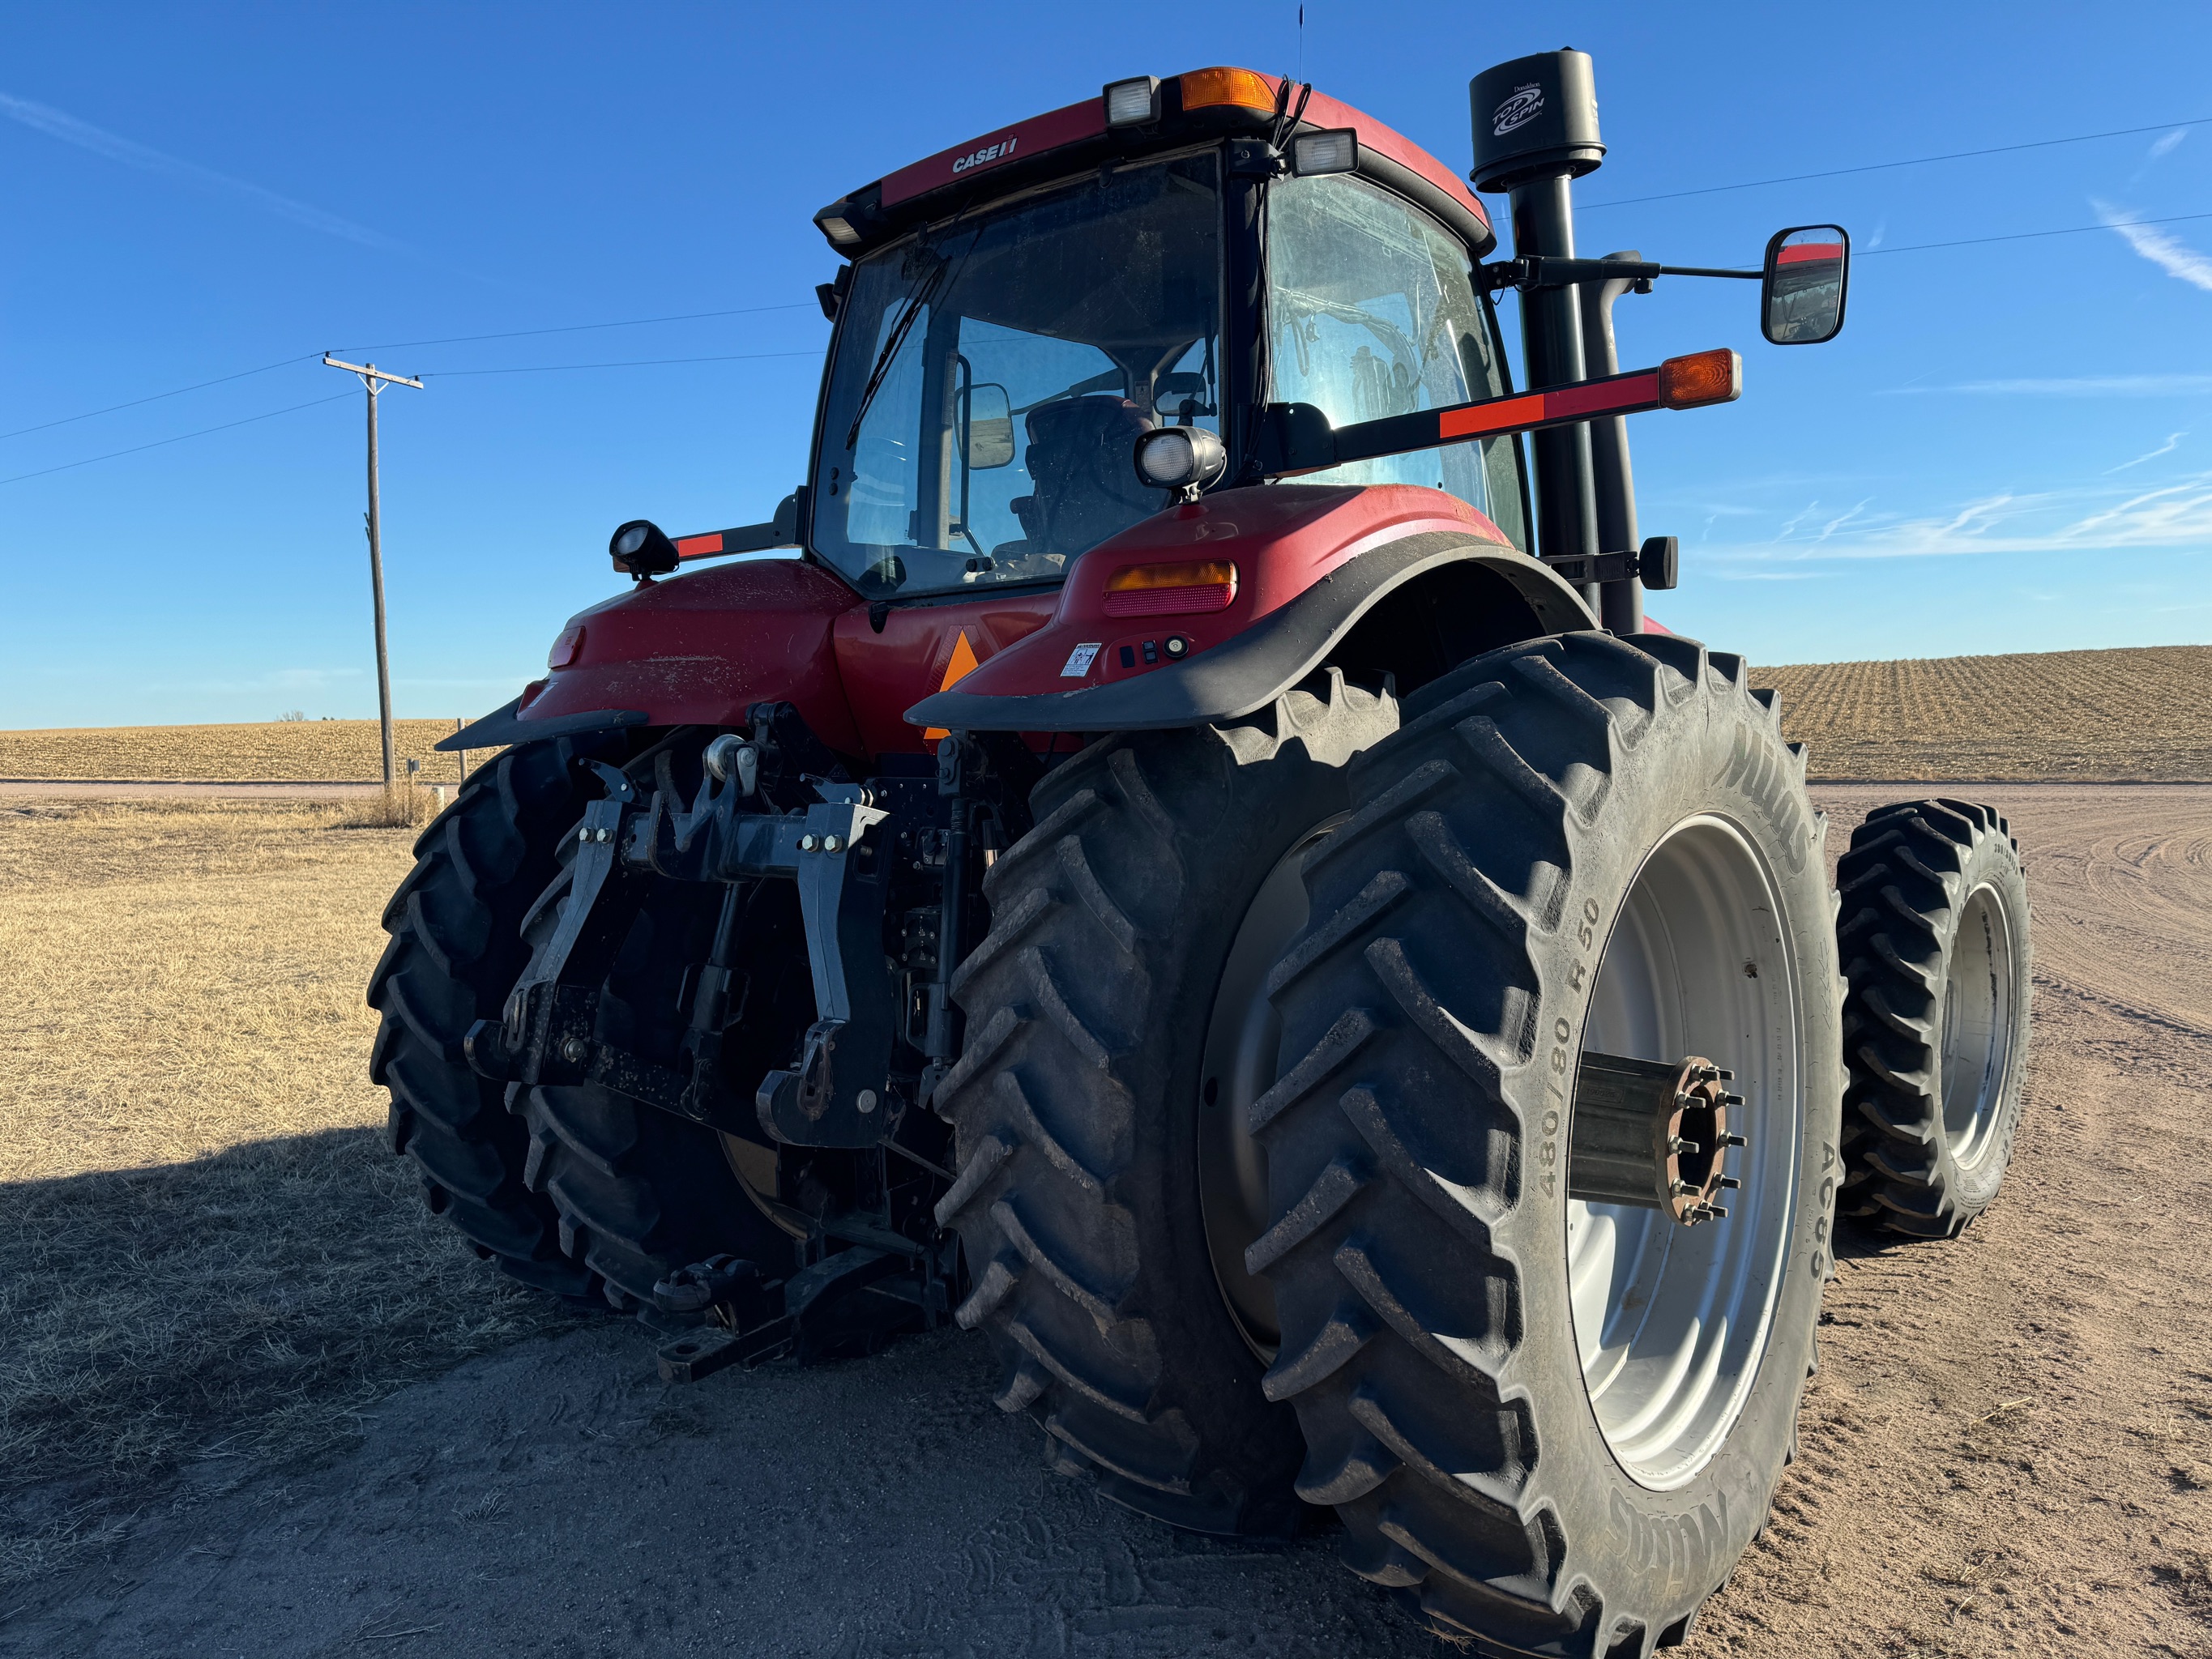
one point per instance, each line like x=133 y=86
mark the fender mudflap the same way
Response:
x=503 y=726
x=1252 y=669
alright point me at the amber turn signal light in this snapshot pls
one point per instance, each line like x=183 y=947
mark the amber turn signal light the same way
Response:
x=1169 y=590
x=1207 y=87
x=1701 y=378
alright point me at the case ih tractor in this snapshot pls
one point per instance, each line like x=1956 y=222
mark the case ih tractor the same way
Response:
x=1198 y=871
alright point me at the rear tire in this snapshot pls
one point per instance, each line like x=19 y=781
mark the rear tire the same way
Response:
x=1554 y=1424
x=455 y=952
x=1934 y=936
x=1078 y=1111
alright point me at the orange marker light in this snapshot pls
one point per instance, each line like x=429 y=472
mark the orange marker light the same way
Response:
x=1167 y=590
x=1208 y=87
x=1701 y=378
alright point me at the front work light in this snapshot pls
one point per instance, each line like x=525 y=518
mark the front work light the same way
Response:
x=1133 y=103
x=640 y=549
x=1185 y=459
x=838 y=230
x=1336 y=150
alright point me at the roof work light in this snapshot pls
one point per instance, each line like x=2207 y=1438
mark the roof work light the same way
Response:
x=1333 y=149
x=1133 y=103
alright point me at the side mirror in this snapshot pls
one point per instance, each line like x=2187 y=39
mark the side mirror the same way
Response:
x=990 y=422
x=1801 y=295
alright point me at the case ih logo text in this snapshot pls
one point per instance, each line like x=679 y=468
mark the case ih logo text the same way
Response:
x=989 y=153
x=1526 y=104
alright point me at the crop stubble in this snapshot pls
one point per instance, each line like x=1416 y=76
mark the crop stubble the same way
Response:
x=205 y=1249
x=2140 y=715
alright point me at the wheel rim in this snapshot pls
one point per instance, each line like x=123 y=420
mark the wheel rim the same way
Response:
x=1671 y=1321
x=1976 y=1027
x=1242 y=1035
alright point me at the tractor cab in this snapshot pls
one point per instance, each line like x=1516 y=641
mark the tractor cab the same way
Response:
x=1003 y=341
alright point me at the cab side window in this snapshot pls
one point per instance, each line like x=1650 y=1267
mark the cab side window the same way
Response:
x=1372 y=311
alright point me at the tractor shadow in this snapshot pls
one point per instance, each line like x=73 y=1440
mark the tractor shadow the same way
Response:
x=260 y=1402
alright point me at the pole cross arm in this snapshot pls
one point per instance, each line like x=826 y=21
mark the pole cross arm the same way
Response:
x=370 y=374
x=1295 y=438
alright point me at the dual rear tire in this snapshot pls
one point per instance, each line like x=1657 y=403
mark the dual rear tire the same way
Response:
x=1554 y=1423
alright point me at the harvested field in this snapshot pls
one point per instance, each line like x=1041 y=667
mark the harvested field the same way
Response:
x=205 y=1250
x=214 y=1285
x=2096 y=716
x=333 y=752
x=2093 y=716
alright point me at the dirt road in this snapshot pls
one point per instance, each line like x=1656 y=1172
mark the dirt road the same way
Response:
x=2008 y=1449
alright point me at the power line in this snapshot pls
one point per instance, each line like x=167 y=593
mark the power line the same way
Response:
x=1883 y=166
x=158 y=442
x=2025 y=235
x=579 y=328
x=197 y=386
x=457 y=339
x=637 y=363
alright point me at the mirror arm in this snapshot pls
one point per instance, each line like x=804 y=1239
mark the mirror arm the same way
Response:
x=1543 y=272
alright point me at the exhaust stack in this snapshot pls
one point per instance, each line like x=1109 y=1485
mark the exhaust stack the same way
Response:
x=1536 y=133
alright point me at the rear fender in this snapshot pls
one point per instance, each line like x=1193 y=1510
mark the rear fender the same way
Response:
x=696 y=650
x=1377 y=579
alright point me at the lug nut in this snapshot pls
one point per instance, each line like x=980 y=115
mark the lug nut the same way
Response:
x=1733 y=1141
x=573 y=1051
x=1730 y=1183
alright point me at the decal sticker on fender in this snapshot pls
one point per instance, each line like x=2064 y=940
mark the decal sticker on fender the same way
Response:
x=1079 y=661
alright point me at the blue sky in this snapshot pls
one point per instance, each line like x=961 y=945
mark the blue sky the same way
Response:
x=2009 y=449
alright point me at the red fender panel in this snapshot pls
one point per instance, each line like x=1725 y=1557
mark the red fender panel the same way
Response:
x=1282 y=539
x=701 y=647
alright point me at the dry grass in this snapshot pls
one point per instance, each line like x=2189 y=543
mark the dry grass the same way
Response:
x=2140 y=715
x=205 y=1251
x=290 y=751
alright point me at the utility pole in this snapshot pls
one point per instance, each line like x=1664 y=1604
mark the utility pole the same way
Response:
x=370 y=377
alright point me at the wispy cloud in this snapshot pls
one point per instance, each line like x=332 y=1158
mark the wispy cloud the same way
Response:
x=56 y=124
x=2079 y=386
x=2172 y=443
x=2164 y=147
x=1834 y=524
x=2084 y=520
x=2169 y=253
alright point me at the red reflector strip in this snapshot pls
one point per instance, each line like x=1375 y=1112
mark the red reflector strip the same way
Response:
x=1568 y=403
x=1169 y=601
x=699 y=547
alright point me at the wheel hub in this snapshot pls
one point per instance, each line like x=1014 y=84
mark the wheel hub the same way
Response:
x=1653 y=1134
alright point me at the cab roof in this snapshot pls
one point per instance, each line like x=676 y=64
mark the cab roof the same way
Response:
x=1201 y=104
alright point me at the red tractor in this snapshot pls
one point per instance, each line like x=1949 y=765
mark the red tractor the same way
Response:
x=1197 y=871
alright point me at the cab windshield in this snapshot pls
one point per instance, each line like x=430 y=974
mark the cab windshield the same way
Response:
x=992 y=374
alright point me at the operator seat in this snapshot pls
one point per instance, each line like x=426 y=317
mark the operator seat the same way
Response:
x=1081 y=457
